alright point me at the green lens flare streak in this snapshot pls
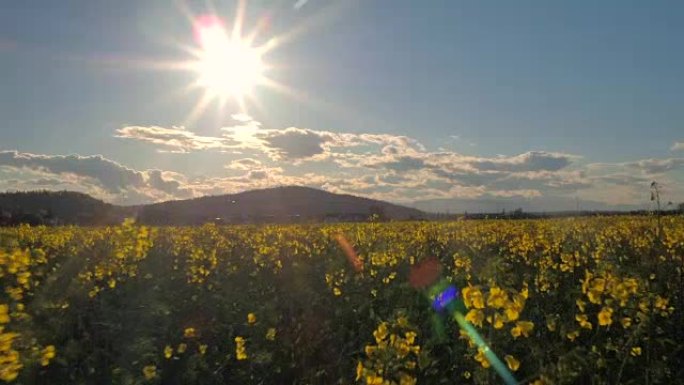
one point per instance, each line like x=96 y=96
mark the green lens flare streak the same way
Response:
x=496 y=363
x=456 y=307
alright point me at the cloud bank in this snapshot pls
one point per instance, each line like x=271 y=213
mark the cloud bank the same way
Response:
x=382 y=166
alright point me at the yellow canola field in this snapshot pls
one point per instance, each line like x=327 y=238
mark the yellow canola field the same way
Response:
x=560 y=301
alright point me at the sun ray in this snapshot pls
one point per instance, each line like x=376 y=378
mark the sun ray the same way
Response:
x=229 y=66
x=239 y=20
x=198 y=110
x=322 y=17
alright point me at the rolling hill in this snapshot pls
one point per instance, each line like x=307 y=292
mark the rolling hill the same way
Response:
x=274 y=205
x=280 y=204
x=58 y=207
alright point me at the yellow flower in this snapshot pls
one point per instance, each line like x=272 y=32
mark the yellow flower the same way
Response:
x=475 y=316
x=512 y=363
x=251 y=318
x=598 y=285
x=4 y=316
x=580 y=304
x=636 y=351
x=605 y=316
x=359 y=371
x=240 y=351
x=594 y=296
x=587 y=279
x=464 y=336
x=271 y=334
x=150 y=372
x=405 y=379
x=498 y=321
x=496 y=298
x=522 y=328
x=583 y=321
x=189 y=333
x=410 y=337
x=380 y=333
x=47 y=354
x=482 y=359
x=626 y=322
x=202 y=349
x=370 y=349
x=660 y=303
x=374 y=380
x=466 y=374
x=525 y=291
x=472 y=297
x=9 y=371
x=512 y=313
x=182 y=347
x=168 y=352
x=337 y=291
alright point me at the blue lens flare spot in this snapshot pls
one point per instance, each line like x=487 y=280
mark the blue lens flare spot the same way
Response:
x=444 y=298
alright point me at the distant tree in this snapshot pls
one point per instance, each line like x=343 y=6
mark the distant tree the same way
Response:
x=655 y=196
x=377 y=213
x=655 y=193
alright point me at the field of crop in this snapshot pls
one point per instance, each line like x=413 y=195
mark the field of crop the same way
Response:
x=566 y=301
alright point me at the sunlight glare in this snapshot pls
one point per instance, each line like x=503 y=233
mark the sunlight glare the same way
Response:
x=228 y=66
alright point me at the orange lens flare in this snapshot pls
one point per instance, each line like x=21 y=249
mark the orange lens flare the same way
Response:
x=348 y=249
x=425 y=273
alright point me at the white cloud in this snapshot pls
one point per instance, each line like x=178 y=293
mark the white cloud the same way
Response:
x=656 y=166
x=529 y=161
x=111 y=175
x=383 y=166
x=244 y=164
x=295 y=143
x=177 y=139
x=677 y=146
x=94 y=174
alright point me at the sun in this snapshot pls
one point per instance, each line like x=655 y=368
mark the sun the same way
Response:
x=227 y=66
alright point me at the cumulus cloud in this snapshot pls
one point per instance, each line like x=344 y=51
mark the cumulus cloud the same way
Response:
x=401 y=163
x=295 y=143
x=529 y=161
x=386 y=166
x=111 y=175
x=177 y=139
x=244 y=164
x=94 y=174
x=677 y=146
x=291 y=143
x=656 y=166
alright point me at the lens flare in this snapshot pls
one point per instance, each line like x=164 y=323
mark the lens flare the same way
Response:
x=227 y=65
x=350 y=253
x=445 y=298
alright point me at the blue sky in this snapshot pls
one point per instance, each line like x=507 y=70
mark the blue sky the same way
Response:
x=398 y=100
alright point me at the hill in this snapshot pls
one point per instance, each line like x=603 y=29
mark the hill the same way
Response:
x=57 y=208
x=281 y=204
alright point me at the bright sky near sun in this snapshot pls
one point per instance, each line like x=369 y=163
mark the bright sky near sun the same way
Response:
x=555 y=102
